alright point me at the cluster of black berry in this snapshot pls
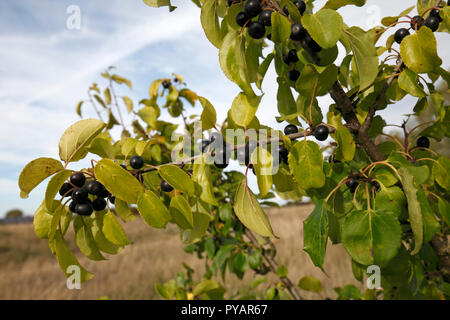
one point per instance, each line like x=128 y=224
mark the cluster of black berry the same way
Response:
x=320 y=132
x=79 y=190
x=432 y=21
x=221 y=153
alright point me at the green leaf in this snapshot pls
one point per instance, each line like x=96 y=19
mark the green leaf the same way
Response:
x=365 y=56
x=249 y=211
x=311 y=77
x=149 y=115
x=54 y=185
x=202 y=176
x=177 y=178
x=372 y=236
x=285 y=99
x=128 y=103
x=263 y=164
x=430 y=224
x=282 y=271
x=128 y=146
x=35 y=172
x=414 y=210
x=409 y=81
x=325 y=27
x=85 y=240
x=181 y=212
x=336 y=4
x=74 y=140
x=312 y=284
x=315 y=234
x=281 y=27
x=210 y=22
x=306 y=164
x=66 y=258
x=208 y=116
x=153 y=210
x=232 y=61
x=118 y=79
x=440 y=171
x=42 y=221
x=118 y=181
x=123 y=210
x=159 y=3
x=444 y=210
x=419 y=51
x=209 y=289
x=346 y=145
x=78 y=108
x=201 y=222
x=243 y=109
x=113 y=231
x=103 y=244
x=392 y=200
x=387 y=21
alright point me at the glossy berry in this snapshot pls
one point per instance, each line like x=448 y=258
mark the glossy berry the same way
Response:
x=400 y=34
x=290 y=129
x=417 y=21
x=166 y=84
x=72 y=206
x=321 y=133
x=423 y=142
x=78 y=179
x=112 y=199
x=432 y=23
x=286 y=10
x=265 y=18
x=301 y=6
x=286 y=59
x=252 y=8
x=436 y=13
x=80 y=195
x=312 y=45
x=204 y=144
x=65 y=190
x=256 y=30
x=293 y=75
x=241 y=19
x=222 y=157
x=297 y=32
x=99 y=204
x=94 y=187
x=283 y=153
x=84 y=208
x=136 y=162
x=165 y=186
x=292 y=56
x=352 y=184
x=104 y=193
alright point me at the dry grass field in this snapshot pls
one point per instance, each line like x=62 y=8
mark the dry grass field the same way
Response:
x=29 y=271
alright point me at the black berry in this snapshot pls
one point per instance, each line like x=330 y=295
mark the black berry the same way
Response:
x=265 y=18
x=283 y=153
x=222 y=157
x=94 y=187
x=286 y=59
x=72 y=206
x=84 y=208
x=112 y=199
x=290 y=129
x=204 y=144
x=165 y=186
x=252 y=8
x=136 y=162
x=256 y=30
x=312 y=45
x=104 y=193
x=166 y=84
x=321 y=133
x=297 y=32
x=301 y=6
x=78 y=179
x=243 y=154
x=241 y=19
x=293 y=75
x=292 y=56
x=435 y=13
x=99 y=204
x=80 y=195
x=229 y=2
x=432 y=22
x=417 y=21
x=65 y=190
x=286 y=10
x=352 y=184
x=423 y=142
x=400 y=34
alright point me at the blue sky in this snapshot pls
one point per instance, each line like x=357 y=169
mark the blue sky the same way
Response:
x=46 y=68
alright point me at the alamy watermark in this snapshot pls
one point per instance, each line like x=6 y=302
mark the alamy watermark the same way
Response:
x=73 y=22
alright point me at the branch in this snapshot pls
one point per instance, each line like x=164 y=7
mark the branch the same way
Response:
x=94 y=105
x=116 y=104
x=273 y=265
